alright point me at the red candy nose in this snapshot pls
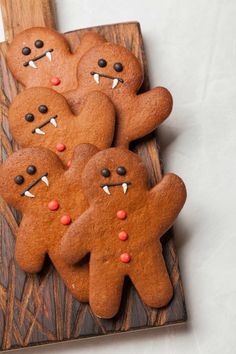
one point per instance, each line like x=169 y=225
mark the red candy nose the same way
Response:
x=55 y=81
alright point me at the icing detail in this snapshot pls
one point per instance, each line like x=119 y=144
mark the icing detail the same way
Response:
x=125 y=258
x=31 y=62
x=49 y=56
x=53 y=205
x=115 y=80
x=121 y=214
x=106 y=190
x=55 y=81
x=26 y=192
x=123 y=236
x=105 y=172
x=106 y=187
x=51 y=120
x=26 y=51
x=65 y=220
x=60 y=147
x=42 y=108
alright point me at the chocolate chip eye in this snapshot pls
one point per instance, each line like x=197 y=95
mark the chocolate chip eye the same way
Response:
x=31 y=169
x=118 y=67
x=105 y=172
x=102 y=63
x=121 y=170
x=19 y=179
x=29 y=117
x=38 y=43
x=43 y=109
x=26 y=51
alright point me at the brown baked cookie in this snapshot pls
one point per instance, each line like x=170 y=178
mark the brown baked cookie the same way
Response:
x=42 y=117
x=121 y=228
x=115 y=71
x=40 y=56
x=50 y=198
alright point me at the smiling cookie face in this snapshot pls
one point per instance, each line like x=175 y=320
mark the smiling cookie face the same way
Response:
x=35 y=51
x=109 y=67
x=115 y=173
x=26 y=176
x=35 y=114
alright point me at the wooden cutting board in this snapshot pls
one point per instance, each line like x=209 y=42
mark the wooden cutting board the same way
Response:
x=38 y=309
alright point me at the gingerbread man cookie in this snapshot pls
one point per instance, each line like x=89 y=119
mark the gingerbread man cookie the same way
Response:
x=122 y=229
x=50 y=198
x=115 y=71
x=40 y=56
x=42 y=117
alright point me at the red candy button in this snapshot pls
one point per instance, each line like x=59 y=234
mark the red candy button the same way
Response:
x=53 y=205
x=121 y=214
x=65 y=220
x=125 y=258
x=60 y=147
x=123 y=236
x=55 y=81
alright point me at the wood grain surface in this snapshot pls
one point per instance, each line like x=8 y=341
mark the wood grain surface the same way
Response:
x=38 y=309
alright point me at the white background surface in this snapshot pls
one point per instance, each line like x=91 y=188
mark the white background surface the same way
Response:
x=191 y=49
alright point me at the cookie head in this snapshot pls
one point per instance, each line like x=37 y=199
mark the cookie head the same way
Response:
x=33 y=50
x=26 y=176
x=35 y=114
x=110 y=67
x=115 y=173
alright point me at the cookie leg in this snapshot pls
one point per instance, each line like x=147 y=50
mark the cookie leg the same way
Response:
x=105 y=290
x=75 y=277
x=153 y=284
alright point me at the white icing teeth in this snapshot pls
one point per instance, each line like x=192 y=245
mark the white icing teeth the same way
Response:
x=32 y=64
x=49 y=56
x=39 y=131
x=125 y=187
x=115 y=83
x=45 y=180
x=106 y=190
x=96 y=78
x=53 y=122
x=28 y=194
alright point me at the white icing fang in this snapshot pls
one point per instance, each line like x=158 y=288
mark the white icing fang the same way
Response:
x=45 y=180
x=53 y=122
x=49 y=56
x=106 y=190
x=28 y=194
x=96 y=78
x=125 y=187
x=115 y=83
x=39 y=131
x=32 y=64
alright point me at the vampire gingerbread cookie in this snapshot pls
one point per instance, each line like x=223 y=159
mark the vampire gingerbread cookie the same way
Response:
x=42 y=117
x=122 y=229
x=115 y=71
x=50 y=198
x=40 y=56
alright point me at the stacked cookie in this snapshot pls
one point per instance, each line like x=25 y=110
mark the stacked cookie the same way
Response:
x=83 y=194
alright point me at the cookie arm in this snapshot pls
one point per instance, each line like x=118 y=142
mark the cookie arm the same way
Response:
x=30 y=251
x=167 y=198
x=146 y=112
x=76 y=243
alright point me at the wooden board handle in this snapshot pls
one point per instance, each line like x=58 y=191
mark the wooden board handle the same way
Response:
x=21 y=14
